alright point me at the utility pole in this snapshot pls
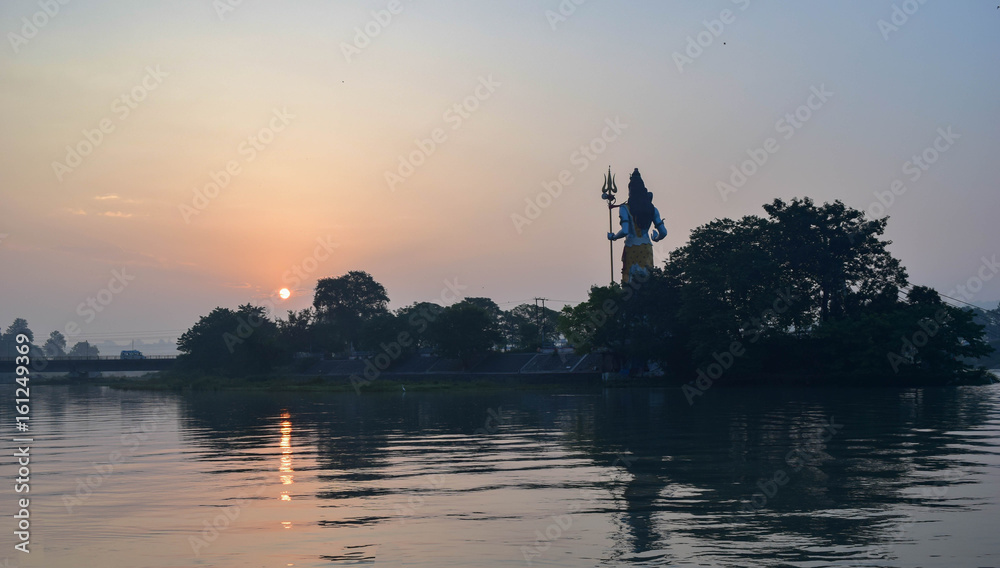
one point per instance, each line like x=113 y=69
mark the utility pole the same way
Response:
x=539 y=320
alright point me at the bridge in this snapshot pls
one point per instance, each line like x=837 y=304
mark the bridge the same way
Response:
x=80 y=365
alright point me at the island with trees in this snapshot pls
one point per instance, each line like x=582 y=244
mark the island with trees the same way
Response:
x=805 y=294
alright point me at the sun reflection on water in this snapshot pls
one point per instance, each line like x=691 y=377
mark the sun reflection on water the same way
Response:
x=285 y=466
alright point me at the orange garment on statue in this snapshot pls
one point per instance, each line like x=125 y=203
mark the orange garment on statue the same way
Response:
x=636 y=255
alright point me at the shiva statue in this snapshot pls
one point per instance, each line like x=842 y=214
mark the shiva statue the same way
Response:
x=636 y=216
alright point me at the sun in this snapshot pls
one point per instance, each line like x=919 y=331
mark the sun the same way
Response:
x=284 y=293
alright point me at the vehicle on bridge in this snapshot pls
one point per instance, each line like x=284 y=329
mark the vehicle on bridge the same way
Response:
x=132 y=354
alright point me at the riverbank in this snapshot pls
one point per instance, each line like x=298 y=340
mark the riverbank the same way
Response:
x=401 y=382
x=293 y=383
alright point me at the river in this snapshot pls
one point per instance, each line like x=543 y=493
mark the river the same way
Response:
x=619 y=477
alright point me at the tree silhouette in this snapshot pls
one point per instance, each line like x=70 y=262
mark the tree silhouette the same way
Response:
x=463 y=331
x=809 y=290
x=8 y=339
x=347 y=301
x=227 y=341
x=523 y=326
x=84 y=349
x=55 y=345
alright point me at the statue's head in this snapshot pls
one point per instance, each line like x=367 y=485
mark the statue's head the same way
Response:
x=637 y=187
x=640 y=201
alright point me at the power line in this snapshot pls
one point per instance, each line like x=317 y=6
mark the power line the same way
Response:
x=528 y=301
x=518 y=302
x=955 y=299
x=135 y=332
x=961 y=302
x=107 y=336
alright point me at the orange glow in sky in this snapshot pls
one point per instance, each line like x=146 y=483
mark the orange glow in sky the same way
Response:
x=235 y=166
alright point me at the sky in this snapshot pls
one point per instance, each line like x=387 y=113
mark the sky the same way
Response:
x=164 y=158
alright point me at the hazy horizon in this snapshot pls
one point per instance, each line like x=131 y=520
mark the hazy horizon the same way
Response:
x=312 y=123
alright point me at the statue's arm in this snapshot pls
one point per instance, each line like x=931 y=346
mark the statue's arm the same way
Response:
x=626 y=224
x=661 y=230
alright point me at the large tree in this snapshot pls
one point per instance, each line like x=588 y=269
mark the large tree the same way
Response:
x=638 y=321
x=834 y=255
x=810 y=290
x=417 y=319
x=243 y=341
x=8 y=339
x=55 y=345
x=496 y=317
x=347 y=301
x=527 y=326
x=919 y=338
x=463 y=331
x=84 y=349
x=730 y=274
x=770 y=278
x=296 y=333
x=383 y=330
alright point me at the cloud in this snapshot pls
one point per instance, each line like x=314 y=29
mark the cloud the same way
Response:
x=114 y=196
x=76 y=211
x=118 y=214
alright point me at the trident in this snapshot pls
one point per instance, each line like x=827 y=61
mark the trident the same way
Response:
x=608 y=194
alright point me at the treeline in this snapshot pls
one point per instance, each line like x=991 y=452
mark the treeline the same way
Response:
x=350 y=316
x=807 y=291
x=54 y=346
